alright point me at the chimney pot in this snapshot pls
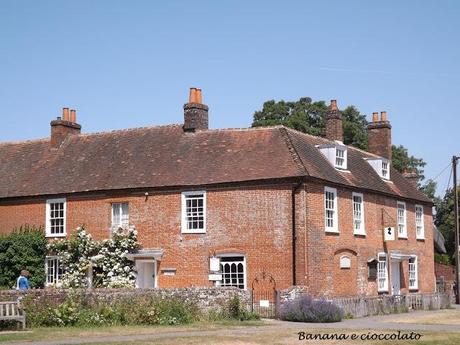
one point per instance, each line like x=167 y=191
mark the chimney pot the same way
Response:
x=65 y=114
x=383 y=116
x=73 y=116
x=198 y=96
x=192 y=96
x=333 y=104
x=375 y=117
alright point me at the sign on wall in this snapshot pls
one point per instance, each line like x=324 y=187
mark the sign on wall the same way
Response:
x=389 y=233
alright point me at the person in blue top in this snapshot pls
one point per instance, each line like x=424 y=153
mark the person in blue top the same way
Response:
x=23 y=282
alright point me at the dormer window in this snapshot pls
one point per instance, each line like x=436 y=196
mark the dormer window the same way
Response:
x=336 y=154
x=381 y=167
x=339 y=157
x=385 y=170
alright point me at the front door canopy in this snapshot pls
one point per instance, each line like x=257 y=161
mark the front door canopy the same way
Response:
x=399 y=256
x=155 y=254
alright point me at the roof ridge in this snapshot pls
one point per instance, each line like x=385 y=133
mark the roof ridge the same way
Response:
x=292 y=150
x=114 y=131
x=29 y=141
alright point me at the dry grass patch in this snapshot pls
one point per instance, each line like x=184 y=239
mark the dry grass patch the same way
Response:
x=435 y=317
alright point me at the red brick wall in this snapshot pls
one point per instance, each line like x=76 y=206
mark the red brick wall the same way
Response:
x=323 y=275
x=447 y=272
x=255 y=221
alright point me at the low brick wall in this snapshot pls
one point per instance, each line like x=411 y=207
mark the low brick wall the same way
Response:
x=205 y=298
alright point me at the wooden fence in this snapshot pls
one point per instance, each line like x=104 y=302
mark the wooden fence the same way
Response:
x=386 y=304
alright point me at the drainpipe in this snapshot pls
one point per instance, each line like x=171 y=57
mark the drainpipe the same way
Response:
x=294 y=190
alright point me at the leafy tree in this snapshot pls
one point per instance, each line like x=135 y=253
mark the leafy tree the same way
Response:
x=445 y=221
x=303 y=115
x=24 y=248
x=307 y=116
x=403 y=161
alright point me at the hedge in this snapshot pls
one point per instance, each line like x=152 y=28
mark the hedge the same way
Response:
x=24 y=248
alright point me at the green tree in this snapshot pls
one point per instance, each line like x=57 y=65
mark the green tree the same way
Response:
x=303 y=115
x=445 y=221
x=403 y=161
x=307 y=116
x=24 y=248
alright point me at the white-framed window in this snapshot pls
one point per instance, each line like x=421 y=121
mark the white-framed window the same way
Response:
x=382 y=272
x=402 y=228
x=54 y=270
x=381 y=167
x=55 y=218
x=336 y=154
x=413 y=273
x=385 y=169
x=358 y=214
x=233 y=268
x=194 y=212
x=419 y=225
x=330 y=209
x=120 y=215
x=340 y=156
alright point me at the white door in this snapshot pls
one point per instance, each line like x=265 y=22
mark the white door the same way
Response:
x=146 y=274
x=395 y=277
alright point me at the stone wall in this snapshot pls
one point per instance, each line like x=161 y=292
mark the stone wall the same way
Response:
x=205 y=298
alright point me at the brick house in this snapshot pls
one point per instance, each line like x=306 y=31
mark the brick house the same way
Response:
x=221 y=206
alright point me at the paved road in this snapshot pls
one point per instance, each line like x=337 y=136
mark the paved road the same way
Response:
x=371 y=323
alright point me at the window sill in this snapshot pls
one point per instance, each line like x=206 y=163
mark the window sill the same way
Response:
x=193 y=231
x=402 y=237
x=55 y=235
x=332 y=231
x=420 y=238
x=359 y=234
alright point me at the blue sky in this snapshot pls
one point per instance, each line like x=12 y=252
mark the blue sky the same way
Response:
x=126 y=64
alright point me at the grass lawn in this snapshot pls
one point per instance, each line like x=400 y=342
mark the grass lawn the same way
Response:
x=56 y=333
x=287 y=337
x=437 y=317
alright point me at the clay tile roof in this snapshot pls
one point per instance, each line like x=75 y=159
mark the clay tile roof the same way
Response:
x=165 y=156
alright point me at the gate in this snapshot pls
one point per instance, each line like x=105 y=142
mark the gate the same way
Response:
x=264 y=296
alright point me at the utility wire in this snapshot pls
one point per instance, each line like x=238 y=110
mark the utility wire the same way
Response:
x=442 y=171
x=448 y=182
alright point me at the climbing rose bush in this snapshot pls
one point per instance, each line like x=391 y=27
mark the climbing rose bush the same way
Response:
x=106 y=259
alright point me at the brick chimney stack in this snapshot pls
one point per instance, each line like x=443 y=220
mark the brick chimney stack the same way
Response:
x=195 y=112
x=334 y=130
x=64 y=126
x=379 y=133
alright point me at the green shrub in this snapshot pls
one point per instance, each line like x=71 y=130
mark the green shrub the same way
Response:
x=24 y=248
x=235 y=309
x=77 y=310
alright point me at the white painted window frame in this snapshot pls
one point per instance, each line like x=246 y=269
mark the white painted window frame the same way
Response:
x=419 y=223
x=121 y=224
x=385 y=172
x=382 y=272
x=48 y=217
x=403 y=225
x=56 y=268
x=334 y=228
x=342 y=158
x=245 y=272
x=413 y=273
x=362 y=229
x=184 y=221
